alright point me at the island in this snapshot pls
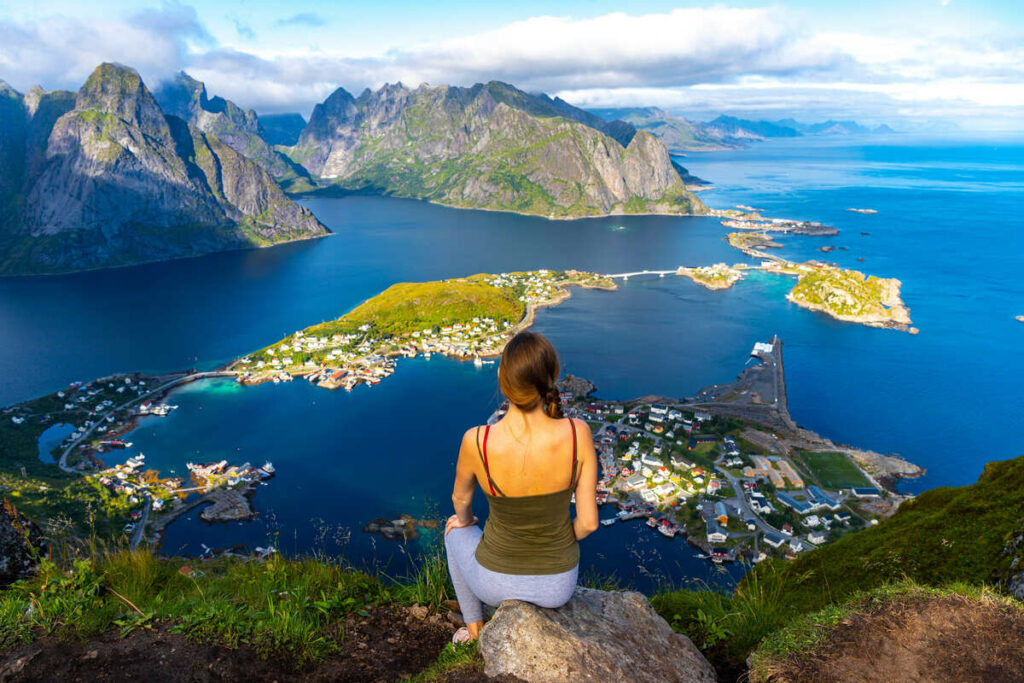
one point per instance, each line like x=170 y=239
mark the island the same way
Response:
x=847 y=295
x=718 y=276
x=752 y=220
x=465 y=318
x=844 y=294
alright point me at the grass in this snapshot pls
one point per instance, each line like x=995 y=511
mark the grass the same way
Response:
x=946 y=536
x=291 y=608
x=834 y=470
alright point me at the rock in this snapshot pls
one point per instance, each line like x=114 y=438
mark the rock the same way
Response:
x=107 y=179
x=229 y=505
x=596 y=636
x=20 y=540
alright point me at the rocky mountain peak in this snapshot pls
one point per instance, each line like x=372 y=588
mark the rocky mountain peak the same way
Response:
x=119 y=91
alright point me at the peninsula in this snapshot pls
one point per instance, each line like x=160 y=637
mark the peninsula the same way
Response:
x=465 y=318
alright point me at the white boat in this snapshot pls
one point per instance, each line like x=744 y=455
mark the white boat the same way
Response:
x=268 y=467
x=478 y=362
x=610 y=521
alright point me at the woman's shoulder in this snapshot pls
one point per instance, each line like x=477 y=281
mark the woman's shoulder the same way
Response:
x=581 y=425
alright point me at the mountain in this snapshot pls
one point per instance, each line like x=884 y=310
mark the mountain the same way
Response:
x=678 y=134
x=240 y=129
x=110 y=179
x=732 y=128
x=281 y=129
x=490 y=147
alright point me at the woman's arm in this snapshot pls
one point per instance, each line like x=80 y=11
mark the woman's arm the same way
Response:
x=586 y=486
x=465 y=485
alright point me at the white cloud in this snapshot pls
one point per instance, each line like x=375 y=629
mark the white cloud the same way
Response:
x=716 y=58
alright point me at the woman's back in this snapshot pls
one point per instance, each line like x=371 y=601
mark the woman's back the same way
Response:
x=529 y=530
x=527 y=462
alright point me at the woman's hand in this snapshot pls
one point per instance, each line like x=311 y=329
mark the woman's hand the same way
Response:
x=455 y=523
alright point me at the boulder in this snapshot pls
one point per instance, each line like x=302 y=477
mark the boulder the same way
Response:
x=20 y=541
x=596 y=636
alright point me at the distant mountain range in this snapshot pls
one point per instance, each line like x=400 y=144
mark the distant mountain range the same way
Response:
x=105 y=177
x=115 y=174
x=725 y=132
x=490 y=146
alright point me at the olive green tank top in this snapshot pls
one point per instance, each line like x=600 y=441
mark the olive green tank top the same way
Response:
x=528 y=534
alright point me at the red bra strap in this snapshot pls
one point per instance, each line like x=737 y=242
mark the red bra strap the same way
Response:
x=487 y=469
x=572 y=481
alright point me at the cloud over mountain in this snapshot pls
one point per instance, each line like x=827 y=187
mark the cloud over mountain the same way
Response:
x=694 y=59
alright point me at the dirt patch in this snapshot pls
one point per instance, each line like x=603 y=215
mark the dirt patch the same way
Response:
x=391 y=644
x=917 y=639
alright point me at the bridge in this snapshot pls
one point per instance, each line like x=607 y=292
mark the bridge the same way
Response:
x=659 y=273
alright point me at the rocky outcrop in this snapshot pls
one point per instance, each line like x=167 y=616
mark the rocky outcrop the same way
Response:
x=110 y=180
x=596 y=636
x=20 y=542
x=490 y=147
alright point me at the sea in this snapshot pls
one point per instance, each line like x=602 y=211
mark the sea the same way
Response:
x=948 y=225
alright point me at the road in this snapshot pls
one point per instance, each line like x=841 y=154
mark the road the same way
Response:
x=741 y=501
x=163 y=387
x=140 y=526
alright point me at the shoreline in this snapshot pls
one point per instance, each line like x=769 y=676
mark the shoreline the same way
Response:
x=93 y=269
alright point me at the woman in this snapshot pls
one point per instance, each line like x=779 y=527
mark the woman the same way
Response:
x=528 y=464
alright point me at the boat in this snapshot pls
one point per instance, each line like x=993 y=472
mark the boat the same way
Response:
x=610 y=521
x=651 y=522
x=478 y=362
x=268 y=467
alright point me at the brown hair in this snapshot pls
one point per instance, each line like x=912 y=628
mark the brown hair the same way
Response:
x=528 y=372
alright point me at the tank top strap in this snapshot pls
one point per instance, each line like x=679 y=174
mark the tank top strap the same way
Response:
x=572 y=480
x=495 y=489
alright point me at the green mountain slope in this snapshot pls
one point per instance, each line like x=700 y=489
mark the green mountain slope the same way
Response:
x=489 y=147
x=942 y=536
x=108 y=179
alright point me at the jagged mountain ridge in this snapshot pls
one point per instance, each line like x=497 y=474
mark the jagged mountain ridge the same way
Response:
x=186 y=98
x=490 y=146
x=110 y=179
x=681 y=135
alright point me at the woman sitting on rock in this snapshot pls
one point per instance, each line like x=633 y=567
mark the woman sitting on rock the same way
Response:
x=528 y=464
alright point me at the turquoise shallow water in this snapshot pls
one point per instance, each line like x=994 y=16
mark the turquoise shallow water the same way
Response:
x=948 y=398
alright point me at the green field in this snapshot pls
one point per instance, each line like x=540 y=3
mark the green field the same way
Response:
x=834 y=470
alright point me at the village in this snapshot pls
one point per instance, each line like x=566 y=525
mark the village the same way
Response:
x=366 y=354
x=690 y=473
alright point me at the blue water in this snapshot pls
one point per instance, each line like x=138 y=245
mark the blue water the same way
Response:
x=948 y=398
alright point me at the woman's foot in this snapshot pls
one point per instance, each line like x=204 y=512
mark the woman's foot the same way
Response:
x=468 y=633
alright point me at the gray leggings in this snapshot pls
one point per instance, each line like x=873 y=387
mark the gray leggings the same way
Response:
x=475 y=585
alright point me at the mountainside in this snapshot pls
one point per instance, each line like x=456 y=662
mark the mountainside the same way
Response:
x=240 y=129
x=109 y=179
x=678 y=134
x=490 y=147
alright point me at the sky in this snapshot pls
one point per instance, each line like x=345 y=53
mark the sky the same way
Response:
x=909 y=63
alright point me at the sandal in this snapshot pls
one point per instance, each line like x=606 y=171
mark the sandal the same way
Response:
x=461 y=636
